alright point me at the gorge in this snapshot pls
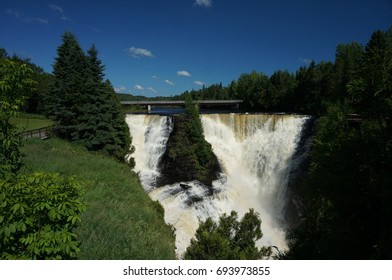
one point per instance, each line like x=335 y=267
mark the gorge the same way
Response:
x=260 y=155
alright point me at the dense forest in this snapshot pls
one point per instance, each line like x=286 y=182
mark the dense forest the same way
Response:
x=348 y=191
x=346 y=195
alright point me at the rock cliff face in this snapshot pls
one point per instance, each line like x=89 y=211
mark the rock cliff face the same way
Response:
x=188 y=156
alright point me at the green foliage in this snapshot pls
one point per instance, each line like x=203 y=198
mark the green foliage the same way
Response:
x=282 y=90
x=194 y=128
x=347 y=64
x=15 y=86
x=35 y=102
x=11 y=156
x=229 y=240
x=315 y=88
x=372 y=86
x=65 y=103
x=253 y=89
x=38 y=213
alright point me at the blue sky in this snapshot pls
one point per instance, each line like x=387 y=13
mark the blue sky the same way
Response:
x=164 y=47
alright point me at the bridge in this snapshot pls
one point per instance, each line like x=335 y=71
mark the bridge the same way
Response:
x=179 y=103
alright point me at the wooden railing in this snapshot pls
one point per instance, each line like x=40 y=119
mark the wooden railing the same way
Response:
x=42 y=133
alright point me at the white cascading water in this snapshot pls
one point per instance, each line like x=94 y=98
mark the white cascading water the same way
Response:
x=149 y=137
x=254 y=152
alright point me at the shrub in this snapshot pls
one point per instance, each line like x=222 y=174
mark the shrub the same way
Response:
x=38 y=213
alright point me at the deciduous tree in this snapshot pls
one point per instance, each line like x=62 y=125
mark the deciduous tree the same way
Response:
x=15 y=86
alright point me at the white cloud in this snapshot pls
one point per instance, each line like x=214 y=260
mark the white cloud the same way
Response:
x=15 y=13
x=96 y=30
x=203 y=3
x=60 y=10
x=139 y=52
x=65 y=18
x=155 y=77
x=170 y=83
x=305 y=60
x=199 y=83
x=39 y=20
x=56 y=8
x=183 y=73
x=120 y=89
x=152 y=90
x=138 y=87
x=20 y=15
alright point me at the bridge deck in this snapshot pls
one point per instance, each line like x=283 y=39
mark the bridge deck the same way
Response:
x=181 y=102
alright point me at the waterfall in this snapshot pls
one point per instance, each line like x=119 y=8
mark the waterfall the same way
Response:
x=256 y=154
x=149 y=136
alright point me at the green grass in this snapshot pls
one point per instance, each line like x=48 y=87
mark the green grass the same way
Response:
x=121 y=221
x=29 y=122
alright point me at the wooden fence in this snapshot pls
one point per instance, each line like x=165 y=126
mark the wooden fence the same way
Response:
x=42 y=133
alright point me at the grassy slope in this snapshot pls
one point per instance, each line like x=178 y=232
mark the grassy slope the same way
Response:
x=121 y=221
x=30 y=122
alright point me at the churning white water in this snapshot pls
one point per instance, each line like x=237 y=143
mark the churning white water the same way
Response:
x=254 y=152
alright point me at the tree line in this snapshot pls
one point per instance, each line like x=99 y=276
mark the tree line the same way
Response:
x=310 y=90
x=347 y=193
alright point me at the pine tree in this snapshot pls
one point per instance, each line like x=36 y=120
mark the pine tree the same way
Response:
x=69 y=70
x=85 y=107
x=93 y=118
x=122 y=144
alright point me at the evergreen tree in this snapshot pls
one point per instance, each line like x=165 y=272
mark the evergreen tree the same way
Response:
x=347 y=61
x=281 y=90
x=202 y=148
x=69 y=69
x=122 y=140
x=93 y=129
x=85 y=107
